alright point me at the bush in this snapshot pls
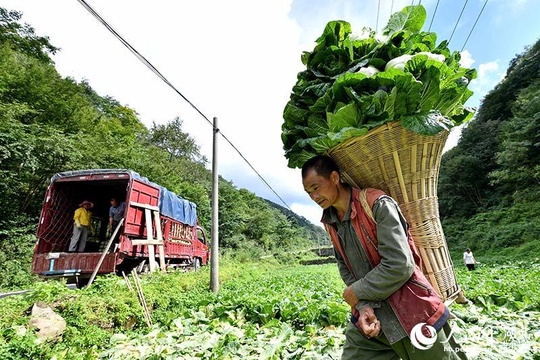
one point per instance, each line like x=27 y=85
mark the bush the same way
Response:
x=497 y=233
x=16 y=251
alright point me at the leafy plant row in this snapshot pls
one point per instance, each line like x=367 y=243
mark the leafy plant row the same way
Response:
x=262 y=311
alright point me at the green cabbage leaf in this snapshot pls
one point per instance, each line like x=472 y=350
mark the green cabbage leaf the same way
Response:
x=334 y=100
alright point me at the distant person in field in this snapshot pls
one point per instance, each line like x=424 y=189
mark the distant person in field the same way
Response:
x=468 y=259
x=82 y=223
x=116 y=213
x=391 y=300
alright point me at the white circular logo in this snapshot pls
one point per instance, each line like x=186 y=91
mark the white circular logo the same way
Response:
x=419 y=340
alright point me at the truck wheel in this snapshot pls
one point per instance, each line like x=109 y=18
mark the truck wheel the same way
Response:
x=143 y=267
x=196 y=264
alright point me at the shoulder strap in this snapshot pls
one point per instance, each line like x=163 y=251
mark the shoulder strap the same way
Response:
x=362 y=196
x=367 y=198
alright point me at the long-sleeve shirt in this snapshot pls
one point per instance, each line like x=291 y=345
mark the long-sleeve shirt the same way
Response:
x=82 y=216
x=372 y=286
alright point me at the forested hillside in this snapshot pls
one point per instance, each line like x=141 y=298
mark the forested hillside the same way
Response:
x=489 y=187
x=50 y=124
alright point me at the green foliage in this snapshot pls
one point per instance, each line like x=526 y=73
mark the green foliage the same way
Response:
x=489 y=183
x=22 y=37
x=16 y=249
x=50 y=124
x=352 y=85
x=262 y=310
x=502 y=318
x=175 y=142
x=503 y=232
x=519 y=156
x=250 y=300
x=497 y=155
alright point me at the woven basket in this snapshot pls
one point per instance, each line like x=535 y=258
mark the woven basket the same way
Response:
x=406 y=166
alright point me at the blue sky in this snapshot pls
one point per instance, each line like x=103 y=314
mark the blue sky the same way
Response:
x=237 y=60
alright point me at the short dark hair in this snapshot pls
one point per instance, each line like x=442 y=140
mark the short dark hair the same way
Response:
x=322 y=164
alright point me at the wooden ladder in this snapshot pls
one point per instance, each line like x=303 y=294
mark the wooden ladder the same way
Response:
x=150 y=242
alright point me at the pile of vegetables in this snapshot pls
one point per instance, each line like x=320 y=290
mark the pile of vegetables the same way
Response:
x=353 y=84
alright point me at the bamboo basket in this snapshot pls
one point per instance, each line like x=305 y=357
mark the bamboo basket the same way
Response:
x=405 y=165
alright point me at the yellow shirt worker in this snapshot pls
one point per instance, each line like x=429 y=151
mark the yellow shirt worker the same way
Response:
x=82 y=218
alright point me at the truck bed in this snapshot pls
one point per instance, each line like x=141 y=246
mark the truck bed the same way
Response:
x=67 y=263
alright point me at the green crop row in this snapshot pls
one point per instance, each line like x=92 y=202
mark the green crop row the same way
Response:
x=262 y=311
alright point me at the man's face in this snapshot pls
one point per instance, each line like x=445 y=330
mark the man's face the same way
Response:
x=323 y=191
x=114 y=202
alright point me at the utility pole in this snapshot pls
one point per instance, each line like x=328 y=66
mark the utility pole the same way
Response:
x=214 y=249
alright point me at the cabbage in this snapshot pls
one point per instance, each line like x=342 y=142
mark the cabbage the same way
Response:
x=351 y=85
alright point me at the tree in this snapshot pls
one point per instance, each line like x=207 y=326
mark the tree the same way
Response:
x=22 y=37
x=177 y=143
x=519 y=157
x=471 y=176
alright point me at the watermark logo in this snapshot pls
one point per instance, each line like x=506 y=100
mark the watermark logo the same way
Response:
x=421 y=341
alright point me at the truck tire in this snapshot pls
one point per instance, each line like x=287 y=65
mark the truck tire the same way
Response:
x=196 y=264
x=143 y=267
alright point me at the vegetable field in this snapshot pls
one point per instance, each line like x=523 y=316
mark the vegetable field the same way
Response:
x=260 y=312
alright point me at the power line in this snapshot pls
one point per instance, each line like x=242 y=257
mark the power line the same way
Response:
x=465 y=43
x=433 y=17
x=155 y=71
x=457 y=22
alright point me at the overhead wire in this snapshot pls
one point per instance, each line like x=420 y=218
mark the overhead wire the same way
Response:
x=433 y=17
x=378 y=10
x=457 y=22
x=474 y=25
x=155 y=71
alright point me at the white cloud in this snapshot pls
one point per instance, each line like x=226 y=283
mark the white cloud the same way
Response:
x=516 y=5
x=489 y=75
x=311 y=212
x=484 y=70
x=466 y=59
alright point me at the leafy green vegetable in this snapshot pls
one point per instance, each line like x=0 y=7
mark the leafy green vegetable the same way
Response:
x=352 y=85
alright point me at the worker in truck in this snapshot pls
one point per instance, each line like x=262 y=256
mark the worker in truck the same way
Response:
x=82 y=223
x=396 y=313
x=116 y=213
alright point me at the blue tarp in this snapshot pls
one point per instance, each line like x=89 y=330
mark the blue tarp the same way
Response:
x=170 y=204
x=175 y=207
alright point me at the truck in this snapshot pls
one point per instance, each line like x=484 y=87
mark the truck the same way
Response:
x=155 y=222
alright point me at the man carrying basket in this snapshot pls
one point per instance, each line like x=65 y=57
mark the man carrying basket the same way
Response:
x=396 y=313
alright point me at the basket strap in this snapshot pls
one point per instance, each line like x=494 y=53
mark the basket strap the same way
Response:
x=362 y=196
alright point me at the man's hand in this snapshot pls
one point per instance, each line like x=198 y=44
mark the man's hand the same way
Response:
x=349 y=297
x=369 y=324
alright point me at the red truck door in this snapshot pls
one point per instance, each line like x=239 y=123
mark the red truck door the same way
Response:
x=140 y=193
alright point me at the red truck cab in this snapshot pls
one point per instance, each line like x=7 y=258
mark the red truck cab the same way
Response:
x=184 y=241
